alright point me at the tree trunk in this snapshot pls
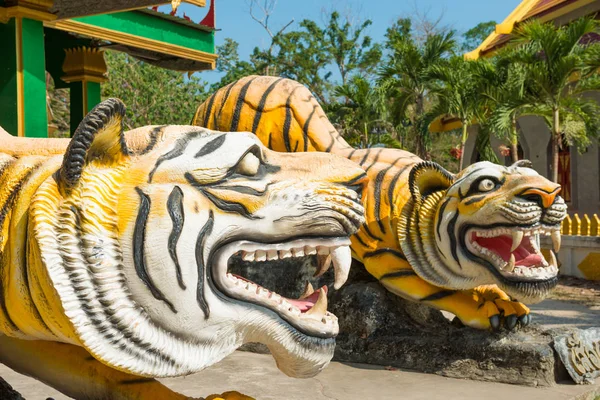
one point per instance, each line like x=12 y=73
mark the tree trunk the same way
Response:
x=514 y=141
x=421 y=147
x=555 y=143
x=463 y=140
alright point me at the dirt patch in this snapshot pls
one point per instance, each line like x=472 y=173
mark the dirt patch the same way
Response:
x=579 y=291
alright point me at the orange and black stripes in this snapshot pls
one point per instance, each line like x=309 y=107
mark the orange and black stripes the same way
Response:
x=286 y=117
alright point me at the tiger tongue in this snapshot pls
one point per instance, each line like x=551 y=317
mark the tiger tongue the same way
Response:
x=306 y=303
x=531 y=260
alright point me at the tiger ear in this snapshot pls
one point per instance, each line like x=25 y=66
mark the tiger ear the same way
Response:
x=523 y=164
x=428 y=177
x=99 y=137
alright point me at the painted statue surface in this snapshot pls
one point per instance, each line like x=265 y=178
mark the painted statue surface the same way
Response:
x=115 y=249
x=467 y=243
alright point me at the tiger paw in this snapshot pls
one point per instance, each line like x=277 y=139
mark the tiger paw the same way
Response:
x=496 y=311
x=229 y=396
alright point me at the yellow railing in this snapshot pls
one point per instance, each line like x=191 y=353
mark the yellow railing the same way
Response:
x=581 y=226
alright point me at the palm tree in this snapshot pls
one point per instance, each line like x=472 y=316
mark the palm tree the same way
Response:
x=457 y=93
x=560 y=66
x=403 y=77
x=361 y=113
x=503 y=99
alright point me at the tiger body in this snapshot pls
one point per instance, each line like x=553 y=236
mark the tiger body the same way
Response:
x=286 y=118
x=114 y=250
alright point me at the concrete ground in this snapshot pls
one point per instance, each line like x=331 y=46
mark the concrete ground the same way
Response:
x=555 y=313
x=256 y=375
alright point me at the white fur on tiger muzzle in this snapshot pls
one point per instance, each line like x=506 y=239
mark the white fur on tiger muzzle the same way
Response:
x=482 y=227
x=136 y=232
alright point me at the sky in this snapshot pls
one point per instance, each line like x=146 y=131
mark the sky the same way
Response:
x=234 y=21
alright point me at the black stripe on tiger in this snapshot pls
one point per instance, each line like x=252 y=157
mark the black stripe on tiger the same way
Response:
x=212 y=146
x=154 y=133
x=217 y=114
x=393 y=183
x=368 y=232
x=378 y=188
x=287 y=123
x=6 y=207
x=208 y=110
x=385 y=250
x=177 y=150
x=243 y=189
x=200 y=244
x=438 y=295
x=175 y=208
x=306 y=126
x=237 y=112
x=229 y=206
x=139 y=238
x=261 y=105
x=440 y=214
x=374 y=160
x=452 y=236
x=364 y=157
x=403 y=273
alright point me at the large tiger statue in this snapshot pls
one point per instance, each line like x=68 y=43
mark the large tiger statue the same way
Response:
x=467 y=243
x=115 y=249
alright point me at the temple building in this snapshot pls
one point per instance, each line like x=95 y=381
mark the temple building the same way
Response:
x=66 y=39
x=579 y=174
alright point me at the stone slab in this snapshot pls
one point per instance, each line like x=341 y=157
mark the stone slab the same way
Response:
x=579 y=352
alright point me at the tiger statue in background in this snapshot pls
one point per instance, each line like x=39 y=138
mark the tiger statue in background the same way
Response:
x=115 y=249
x=466 y=243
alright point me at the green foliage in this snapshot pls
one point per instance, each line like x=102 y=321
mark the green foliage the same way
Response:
x=153 y=95
x=358 y=117
x=404 y=78
x=388 y=93
x=474 y=36
x=559 y=68
x=230 y=64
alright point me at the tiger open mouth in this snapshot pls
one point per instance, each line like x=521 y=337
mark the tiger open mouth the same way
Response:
x=515 y=252
x=308 y=314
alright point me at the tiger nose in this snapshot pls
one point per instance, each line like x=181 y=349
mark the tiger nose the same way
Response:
x=543 y=196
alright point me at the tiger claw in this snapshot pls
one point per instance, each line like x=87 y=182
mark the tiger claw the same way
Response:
x=495 y=322
x=510 y=322
x=525 y=319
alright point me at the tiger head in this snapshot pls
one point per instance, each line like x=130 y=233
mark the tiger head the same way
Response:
x=482 y=227
x=137 y=231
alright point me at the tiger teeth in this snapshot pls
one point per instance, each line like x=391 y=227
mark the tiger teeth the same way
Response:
x=556 y=238
x=320 y=308
x=342 y=260
x=323 y=264
x=517 y=236
x=308 y=290
x=553 y=261
x=511 y=264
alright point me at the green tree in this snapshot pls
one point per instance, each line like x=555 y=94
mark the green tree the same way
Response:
x=153 y=95
x=302 y=56
x=349 y=47
x=560 y=67
x=457 y=94
x=230 y=65
x=360 y=114
x=503 y=101
x=404 y=78
x=474 y=36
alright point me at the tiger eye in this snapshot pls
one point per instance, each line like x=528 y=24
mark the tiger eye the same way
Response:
x=248 y=165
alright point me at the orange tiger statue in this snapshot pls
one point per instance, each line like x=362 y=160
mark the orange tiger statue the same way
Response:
x=466 y=243
x=115 y=249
